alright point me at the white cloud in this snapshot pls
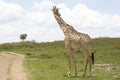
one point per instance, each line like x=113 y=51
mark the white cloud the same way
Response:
x=40 y=25
x=9 y=11
x=43 y=6
x=116 y=20
x=10 y=15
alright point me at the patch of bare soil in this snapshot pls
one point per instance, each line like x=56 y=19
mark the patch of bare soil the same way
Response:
x=107 y=67
x=11 y=67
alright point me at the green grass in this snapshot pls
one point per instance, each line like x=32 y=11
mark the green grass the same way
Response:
x=56 y=69
x=46 y=69
x=47 y=61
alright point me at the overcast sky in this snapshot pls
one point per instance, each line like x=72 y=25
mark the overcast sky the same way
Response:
x=98 y=18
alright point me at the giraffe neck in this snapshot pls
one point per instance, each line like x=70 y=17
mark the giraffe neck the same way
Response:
x=63 y=25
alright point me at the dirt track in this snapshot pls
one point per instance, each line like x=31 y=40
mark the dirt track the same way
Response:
x=11 y=66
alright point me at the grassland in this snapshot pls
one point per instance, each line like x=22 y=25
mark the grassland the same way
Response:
x=47 y=60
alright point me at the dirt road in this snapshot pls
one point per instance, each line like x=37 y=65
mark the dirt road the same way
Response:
x=11 y=66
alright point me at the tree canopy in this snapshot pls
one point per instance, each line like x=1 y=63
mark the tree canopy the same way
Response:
x=23 y=36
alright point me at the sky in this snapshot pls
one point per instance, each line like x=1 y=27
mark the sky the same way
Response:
x=97 y=18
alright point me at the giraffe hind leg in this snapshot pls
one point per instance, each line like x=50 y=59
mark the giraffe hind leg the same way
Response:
x=86 y=63
x=90 y=74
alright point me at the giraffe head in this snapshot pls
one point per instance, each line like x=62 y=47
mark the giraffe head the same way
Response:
x=55 y=11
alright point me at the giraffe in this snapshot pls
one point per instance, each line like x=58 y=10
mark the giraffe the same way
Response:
x=74 y=39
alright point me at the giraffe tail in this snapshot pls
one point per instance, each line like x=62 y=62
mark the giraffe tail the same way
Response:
x=92 y=57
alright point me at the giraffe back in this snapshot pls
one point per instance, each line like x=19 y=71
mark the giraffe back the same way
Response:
x=75 y=39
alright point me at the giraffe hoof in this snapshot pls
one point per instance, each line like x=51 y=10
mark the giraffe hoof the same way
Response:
x=68 y=74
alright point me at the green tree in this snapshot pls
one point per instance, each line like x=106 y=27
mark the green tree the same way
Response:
x=23 y=36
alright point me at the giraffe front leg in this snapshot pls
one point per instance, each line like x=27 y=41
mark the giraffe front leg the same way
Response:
x=69 y=67
x=75 y=68
x=74 y=62
x=69 y=63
